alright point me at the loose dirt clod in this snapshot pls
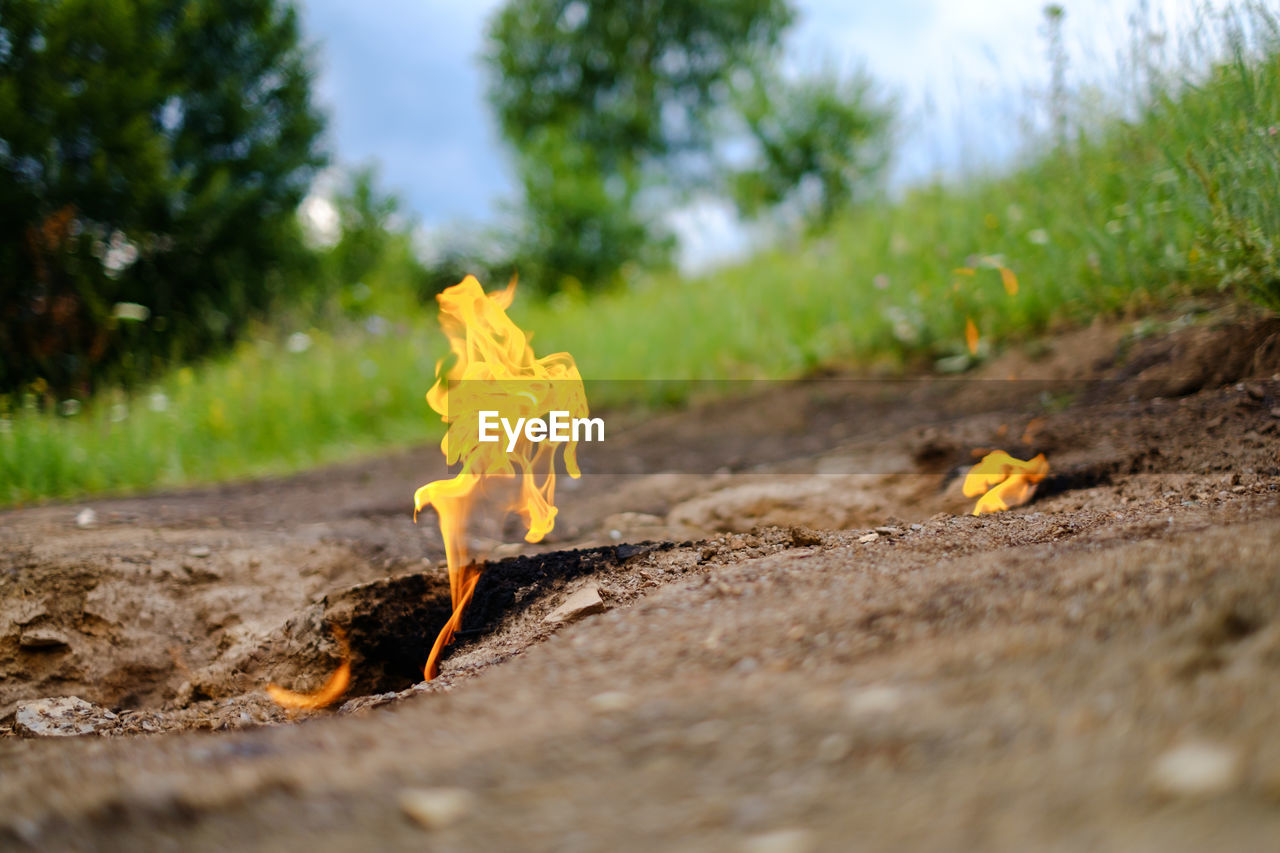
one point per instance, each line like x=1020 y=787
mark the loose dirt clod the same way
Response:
x=43 y=638
x=584 y=602
x=64 y=716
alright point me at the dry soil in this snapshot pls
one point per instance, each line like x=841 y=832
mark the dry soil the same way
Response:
x=808 y=644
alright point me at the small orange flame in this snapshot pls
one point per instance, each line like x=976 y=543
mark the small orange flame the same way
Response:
x=1032 y=429
x=971 y=335
x=328 y=694
x=1004 y=482
x=494 y=369
x=1009 y=280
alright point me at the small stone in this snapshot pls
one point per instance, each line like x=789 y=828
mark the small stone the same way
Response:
x=584 y=602
x=1275 y=413
x=917 y=527
x=804 y=536
x=781 y=841
x=86 y=518
x=707 y=733
x=43 y=638
x=64 y=716
x=609 y=702
x=631 y=520
x=869 y=537
x=435 y=808
x=626 y=552
x=834 y=748
x=888 y=531
x=26 y=829
x=1196 y=769
x=874 y=700
x=199 y=551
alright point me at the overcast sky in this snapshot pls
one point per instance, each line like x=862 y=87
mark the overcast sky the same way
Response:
x=403 y=86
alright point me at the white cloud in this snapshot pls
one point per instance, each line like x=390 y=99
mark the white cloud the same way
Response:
x=710 y=233
x=403 y=84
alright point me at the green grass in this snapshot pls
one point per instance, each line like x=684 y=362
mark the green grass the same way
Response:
x=262 y=409
x=1177 y=198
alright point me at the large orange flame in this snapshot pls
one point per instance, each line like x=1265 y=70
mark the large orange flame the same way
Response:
x=1004 y=482
x=493 y=369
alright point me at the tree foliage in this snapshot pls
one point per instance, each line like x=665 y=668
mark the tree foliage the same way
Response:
x=821 y=141
x=601 y=101
x=635 y=81
x=152 y=152
x=580 y=224
x=366 y=219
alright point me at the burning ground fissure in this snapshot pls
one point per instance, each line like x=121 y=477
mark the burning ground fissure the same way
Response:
x=391 y=622
x=388 y=624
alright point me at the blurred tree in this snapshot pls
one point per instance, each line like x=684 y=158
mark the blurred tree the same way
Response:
x=152 y=156
x=366 y=217
x=581 y=224
x=374 y=260
x=604 y=100
x=821 y=141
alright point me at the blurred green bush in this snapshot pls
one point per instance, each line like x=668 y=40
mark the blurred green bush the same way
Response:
x=152 y=157
x=822 y=144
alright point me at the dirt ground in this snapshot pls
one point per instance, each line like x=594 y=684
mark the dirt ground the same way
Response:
x=808 y=644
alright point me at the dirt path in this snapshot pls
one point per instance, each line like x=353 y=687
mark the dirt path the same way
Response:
x=808 y=644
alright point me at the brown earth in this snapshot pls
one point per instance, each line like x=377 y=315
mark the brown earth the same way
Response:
x=809 y=645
